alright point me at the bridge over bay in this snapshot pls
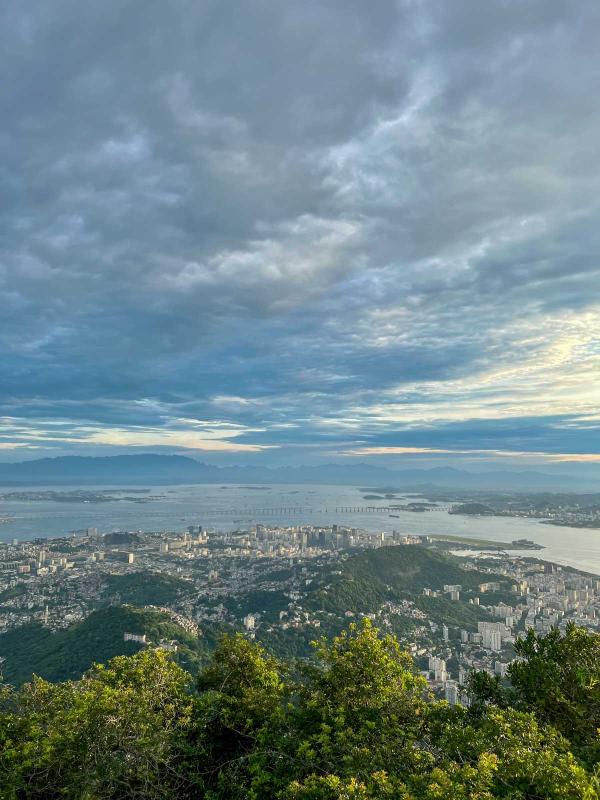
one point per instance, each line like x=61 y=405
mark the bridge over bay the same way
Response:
x=293 y=511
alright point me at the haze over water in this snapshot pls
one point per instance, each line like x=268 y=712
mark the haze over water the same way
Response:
x=175 y=507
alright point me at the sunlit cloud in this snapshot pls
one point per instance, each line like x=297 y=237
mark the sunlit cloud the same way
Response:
x=176 y=439
x=178 y=433
x=591 y=458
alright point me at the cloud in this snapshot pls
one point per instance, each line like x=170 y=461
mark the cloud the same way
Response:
x=491 y=454
x=329 y=226
x=191 y=434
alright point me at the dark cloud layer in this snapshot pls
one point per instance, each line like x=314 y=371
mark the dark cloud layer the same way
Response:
x=316 y=227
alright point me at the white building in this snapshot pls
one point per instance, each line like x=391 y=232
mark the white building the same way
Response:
x=135 y=637
x=493 y=634
x=452 y=692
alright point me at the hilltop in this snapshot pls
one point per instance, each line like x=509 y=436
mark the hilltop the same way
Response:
x=392 y=574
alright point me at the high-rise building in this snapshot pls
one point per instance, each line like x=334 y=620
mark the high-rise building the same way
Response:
x=452 y=692
x=493 y=634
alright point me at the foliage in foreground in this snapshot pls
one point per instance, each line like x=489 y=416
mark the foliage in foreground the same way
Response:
x=558 y=678
x=355 y=724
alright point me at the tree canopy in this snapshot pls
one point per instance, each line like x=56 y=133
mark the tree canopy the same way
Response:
x=556 y=677
x=355 y=722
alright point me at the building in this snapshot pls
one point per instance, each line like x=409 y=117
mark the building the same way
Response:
x=493 y=634
x=452 y=692
x=135 y=637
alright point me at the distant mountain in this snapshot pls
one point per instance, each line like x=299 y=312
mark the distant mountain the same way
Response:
x=146 y=468
x=152 y=468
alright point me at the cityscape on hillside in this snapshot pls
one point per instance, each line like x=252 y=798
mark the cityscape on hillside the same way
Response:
x=285 y=586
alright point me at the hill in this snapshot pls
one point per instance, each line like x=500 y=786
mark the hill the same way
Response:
x=474 y=509
x=144 y=588
x=67 y=654
x=393 y=574
x=366 y=583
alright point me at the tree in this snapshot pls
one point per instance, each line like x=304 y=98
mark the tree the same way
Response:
x=559 y=680
x=113 y=734
x=557 y=677
x=239 y=693
x=357 y=723
x=529 y=760
x=358 y=711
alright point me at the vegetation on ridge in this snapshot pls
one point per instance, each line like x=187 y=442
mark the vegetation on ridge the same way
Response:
x=391 y=574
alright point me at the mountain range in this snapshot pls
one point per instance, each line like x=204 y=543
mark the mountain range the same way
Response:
x=158 y=469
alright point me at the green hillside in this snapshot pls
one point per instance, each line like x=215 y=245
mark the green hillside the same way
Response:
x=372 y=577
x=67 y=654
x=145 y=588
x=266 y=602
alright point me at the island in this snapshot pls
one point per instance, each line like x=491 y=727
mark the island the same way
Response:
x=473 y=509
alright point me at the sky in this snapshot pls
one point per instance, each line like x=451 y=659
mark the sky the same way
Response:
x=296 y=233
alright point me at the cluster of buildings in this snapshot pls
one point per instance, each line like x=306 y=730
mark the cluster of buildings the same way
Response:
x=546 y=596
x=571 y=509
x=60 y=581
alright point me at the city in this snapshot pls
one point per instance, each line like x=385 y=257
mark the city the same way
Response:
x=276 y=584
